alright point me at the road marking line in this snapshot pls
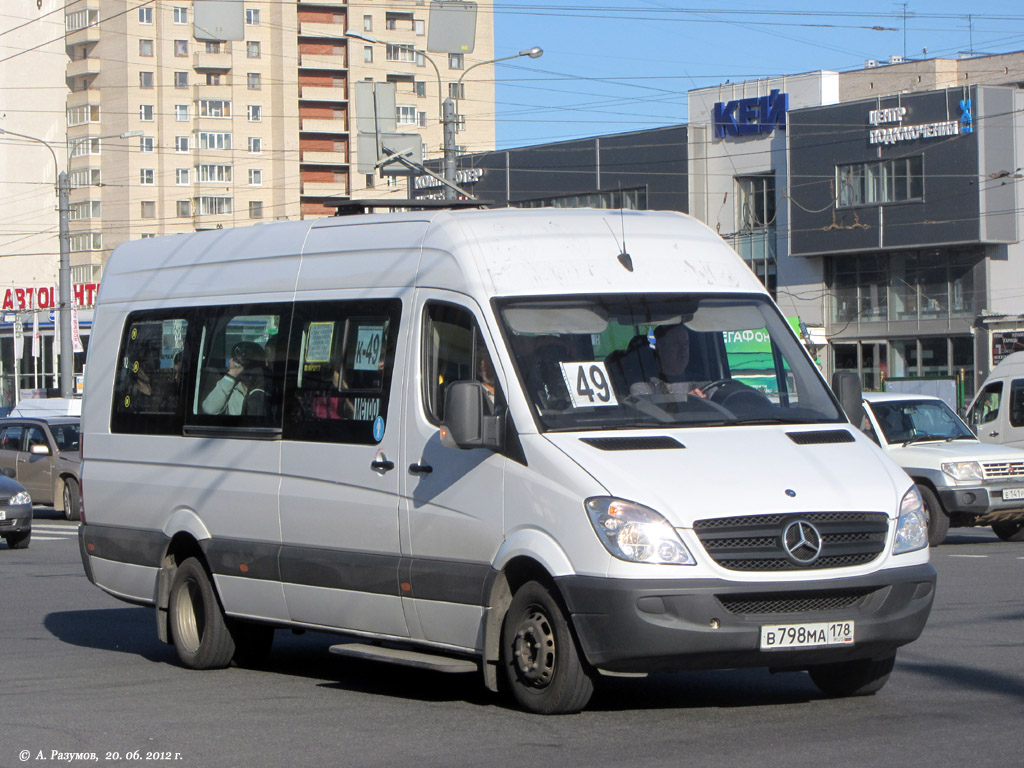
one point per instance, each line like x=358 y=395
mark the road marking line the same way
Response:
x=982 y=557
x=48 y=538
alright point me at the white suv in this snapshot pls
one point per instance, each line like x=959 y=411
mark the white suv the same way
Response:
x=962 y=481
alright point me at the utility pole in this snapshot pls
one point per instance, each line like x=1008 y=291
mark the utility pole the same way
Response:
x=67 y=349
x=448 y=119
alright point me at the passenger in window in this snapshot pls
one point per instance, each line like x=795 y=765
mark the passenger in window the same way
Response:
x=487 y=378
x=332 y=405
x=672 y=350
x=241 y=390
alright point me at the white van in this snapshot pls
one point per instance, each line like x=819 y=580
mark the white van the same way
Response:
x=488 y=441
x=997 y=413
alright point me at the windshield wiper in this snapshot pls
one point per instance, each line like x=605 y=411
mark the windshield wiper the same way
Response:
x=922 y=438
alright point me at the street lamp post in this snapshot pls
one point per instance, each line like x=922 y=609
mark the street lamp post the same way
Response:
x=449 y=118
x=67 y=362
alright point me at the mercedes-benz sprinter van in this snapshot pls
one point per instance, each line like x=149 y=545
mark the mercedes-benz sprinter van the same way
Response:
x=544 y=445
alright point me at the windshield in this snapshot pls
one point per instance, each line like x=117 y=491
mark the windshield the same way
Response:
x=654 y=360
x=918 y=420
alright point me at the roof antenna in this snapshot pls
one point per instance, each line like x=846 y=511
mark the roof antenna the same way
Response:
x=624 y=258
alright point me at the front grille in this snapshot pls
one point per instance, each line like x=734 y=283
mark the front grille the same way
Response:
x=754 y=542
x=994 y=469
x=743 y=605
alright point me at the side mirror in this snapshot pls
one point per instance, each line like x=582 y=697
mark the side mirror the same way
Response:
x=846 y=386
x=466 y=422
x=39 y=449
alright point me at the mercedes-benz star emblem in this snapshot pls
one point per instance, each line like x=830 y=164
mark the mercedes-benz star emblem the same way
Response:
x=802 y=542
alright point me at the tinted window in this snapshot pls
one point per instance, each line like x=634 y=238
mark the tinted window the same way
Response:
x=453 y=350
x=340 y=359
x=10 y=440
x=233 y=382
x=148 y=381
x=1017 y=403
x=66 y=436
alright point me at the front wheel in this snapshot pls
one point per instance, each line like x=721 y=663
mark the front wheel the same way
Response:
x=198 y=628
x=542 y=663
x=852 y=678
x=18 y=540
x=1011 y=530
x=938 y=520
x=72 y=500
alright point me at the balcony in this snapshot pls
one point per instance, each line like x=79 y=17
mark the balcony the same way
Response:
x=88 y=35
x=332 y=61
x=82 y=98
x=324 y=158
x=86 y=66
x=324 y=188
x=312 y=125
x=218 y=62
x=319 y=93
x=204 y=91
x=321 y=29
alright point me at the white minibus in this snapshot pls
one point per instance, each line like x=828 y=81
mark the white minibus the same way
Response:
x=540 y=445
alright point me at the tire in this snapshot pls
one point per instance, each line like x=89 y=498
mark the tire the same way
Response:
x=18 y=540
x=1011 y=530
x=72 y=500
x=253 y=643
x=198 y=628
x=862 y=677
x=938 y=520
x=543 y=666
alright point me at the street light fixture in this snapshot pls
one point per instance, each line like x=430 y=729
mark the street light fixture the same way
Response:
x=67 y=363
x=447 y=107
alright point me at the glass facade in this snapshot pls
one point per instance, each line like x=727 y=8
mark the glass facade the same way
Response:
x=904 y=286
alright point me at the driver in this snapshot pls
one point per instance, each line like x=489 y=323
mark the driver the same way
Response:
x=672 y=350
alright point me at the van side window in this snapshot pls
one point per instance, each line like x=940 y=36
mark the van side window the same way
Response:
x=233 y=384
x=1017 y=403
x=986 y=407
x=148 y=381
x=340 y=360
x=454 y=350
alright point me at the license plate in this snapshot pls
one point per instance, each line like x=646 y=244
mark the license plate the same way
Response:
x=1013 y=493
x=782 y=636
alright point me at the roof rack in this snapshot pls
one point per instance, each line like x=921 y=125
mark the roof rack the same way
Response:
x=354 y=207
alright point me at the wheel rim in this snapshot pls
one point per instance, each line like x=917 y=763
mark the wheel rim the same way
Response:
x=67 y=502
x=187 y=624
x=534 y=650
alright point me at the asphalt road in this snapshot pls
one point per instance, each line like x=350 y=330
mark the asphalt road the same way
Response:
x=83 y=675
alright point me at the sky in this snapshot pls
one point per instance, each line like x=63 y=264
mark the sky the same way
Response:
x=621 y=65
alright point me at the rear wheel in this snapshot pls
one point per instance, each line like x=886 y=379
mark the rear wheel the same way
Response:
x=542 y=663
x=72 y=500
x=1011 y=530
x=853 y=678
x=18 y=540
x=198 y=628
x=938 y=520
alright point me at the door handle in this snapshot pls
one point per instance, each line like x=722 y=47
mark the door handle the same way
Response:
x=420 y=469
x=993 y=433
x=382 y=465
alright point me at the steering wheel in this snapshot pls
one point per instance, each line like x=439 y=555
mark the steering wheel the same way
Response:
x=730 y=393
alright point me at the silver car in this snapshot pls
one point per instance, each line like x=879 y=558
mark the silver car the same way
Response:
x=15 y=513
x=44 y=456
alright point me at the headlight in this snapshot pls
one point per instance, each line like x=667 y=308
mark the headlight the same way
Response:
x=636 y=533
x=964 y=470
x=21 y=497
x=912 y=527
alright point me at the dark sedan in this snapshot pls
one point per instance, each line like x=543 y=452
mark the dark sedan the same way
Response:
x=15 y=513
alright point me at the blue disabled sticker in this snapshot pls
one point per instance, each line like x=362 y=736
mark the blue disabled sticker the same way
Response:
x=378 y=428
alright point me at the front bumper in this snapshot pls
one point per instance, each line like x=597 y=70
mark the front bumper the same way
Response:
x=17 y=518
x=984 y=502
x=650 y=625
